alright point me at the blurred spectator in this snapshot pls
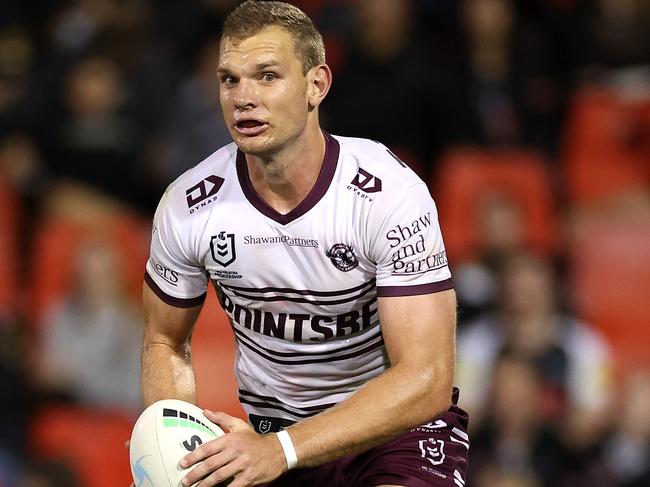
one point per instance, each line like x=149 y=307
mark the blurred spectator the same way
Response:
x=627 y=451
x=197 y=128
x=515 y=446
x=384 y=89
x=96 y=142
x=572 y=360
x=500 y=233
x=20 y=163
x=512 y=78
x=21 y=167
x=610 y=34
x=89 y=342
x=17 y=52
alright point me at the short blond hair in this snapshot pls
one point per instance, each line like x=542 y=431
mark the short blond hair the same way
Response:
x=253 y=16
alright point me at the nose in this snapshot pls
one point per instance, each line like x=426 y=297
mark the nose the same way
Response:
x=245 y=95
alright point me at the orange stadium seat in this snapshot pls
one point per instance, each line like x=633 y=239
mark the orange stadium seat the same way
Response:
x=467 y=175
x=9 y=220
x=604 y=153
x=90 y=441
x=57 y=239
x=609 y=260
x=213 y=356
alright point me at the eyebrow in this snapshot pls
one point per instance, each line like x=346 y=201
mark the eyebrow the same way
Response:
x=259 y=67
x=265 y=65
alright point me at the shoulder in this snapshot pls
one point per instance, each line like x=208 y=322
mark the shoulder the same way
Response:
x=198 y=185
x=376 y=164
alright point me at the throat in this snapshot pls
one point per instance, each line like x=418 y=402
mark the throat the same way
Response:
x=282 y=187
x=281 y=198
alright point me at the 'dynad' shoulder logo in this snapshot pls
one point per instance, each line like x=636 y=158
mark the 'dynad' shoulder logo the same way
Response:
x=366 y=182
x=343 y=257
x=222 y=247
x=202 y=191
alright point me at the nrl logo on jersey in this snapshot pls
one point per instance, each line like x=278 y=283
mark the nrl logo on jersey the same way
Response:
x=203 y=193
x=222 y=248
x=343 y=257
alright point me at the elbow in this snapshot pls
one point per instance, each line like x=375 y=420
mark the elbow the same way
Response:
x=434 y=391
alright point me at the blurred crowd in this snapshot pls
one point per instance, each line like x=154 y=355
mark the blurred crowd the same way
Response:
x=529 y=120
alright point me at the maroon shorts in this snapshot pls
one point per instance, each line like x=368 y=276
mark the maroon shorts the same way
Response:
x=434 y=454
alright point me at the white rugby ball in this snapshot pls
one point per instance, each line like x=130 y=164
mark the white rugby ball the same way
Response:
x=164 y=433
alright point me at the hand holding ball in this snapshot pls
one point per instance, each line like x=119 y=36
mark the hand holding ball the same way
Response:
x=164 y=433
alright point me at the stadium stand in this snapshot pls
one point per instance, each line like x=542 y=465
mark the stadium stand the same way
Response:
x=609 y=259
x=467 y=175
x=91 y=441
x=605 y=149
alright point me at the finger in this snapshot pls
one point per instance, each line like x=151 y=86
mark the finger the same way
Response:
x=209 y=467
x=225 y=473
x=127 y=444
x=225 y=421
x=240 y=482
x=202 y=452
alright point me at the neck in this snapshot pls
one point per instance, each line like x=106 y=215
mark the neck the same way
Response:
x=285 y=178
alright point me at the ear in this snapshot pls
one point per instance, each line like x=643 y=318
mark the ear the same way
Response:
x=319 y=80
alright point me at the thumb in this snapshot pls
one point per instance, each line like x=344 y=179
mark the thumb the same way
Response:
x=228 y=423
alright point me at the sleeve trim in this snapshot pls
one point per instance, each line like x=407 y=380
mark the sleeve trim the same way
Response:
x=171 y=300
x=432 y=287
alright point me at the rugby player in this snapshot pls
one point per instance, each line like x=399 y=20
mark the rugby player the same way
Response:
x=327 y=257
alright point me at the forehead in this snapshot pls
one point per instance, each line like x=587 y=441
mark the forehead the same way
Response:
x=271 y=44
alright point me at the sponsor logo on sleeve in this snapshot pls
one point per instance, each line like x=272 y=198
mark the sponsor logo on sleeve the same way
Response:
x=222 y=247
x=203 y=193
x=410 y=255
x=365 y=184
x=169 y=275
x=343 y=257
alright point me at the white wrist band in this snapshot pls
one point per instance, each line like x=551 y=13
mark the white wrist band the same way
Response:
x=287 y=447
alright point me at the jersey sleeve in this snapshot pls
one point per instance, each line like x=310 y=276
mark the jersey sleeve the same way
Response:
x=408 y=250
x=171 y=272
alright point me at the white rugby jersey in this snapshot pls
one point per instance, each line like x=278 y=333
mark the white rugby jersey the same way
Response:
x=300 y=289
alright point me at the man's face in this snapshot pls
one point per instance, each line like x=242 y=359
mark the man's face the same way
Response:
x=263 y=91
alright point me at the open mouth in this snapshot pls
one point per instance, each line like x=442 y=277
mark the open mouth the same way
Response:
x=250 y=127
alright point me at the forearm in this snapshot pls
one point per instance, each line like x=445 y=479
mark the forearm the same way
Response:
x=166 y=352
x=166 y=373
x=392 y=403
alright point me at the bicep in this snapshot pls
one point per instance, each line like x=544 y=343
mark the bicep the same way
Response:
x=420 y=330
x=166 y=324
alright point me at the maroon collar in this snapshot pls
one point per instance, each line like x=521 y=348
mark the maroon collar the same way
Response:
x=317 y=192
